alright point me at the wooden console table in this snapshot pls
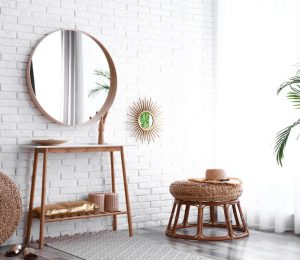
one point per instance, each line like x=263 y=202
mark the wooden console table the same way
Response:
x=73 y=149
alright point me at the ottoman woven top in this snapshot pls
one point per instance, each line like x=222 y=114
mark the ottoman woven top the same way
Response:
x=10 y=207
x=206 y=191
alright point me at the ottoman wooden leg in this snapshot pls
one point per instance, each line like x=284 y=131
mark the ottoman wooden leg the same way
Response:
x=237 y=214
x=228 y=222
x=213 y=215
x=200 y=221
x=186 y=215
x=237 y=222
x=176 y=218
x=171 y=217
x=242 y=218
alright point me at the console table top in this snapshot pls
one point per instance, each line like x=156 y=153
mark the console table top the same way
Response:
x=75 y=148
x=63 y=146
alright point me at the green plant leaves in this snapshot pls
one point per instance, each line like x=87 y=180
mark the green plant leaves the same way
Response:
x=281 y=140
x=294 y=95
x=105 y=76
x=145 y=120
x=292 y=82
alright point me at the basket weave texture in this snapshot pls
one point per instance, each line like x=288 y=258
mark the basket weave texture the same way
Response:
x=205 y=192
x=10 y=207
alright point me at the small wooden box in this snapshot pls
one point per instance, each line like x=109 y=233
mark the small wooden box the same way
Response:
x=98 y=199
x=111 y=202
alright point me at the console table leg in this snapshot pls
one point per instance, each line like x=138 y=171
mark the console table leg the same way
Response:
x=113 y=186
x=33 y=178
x=43 y=199
x=126 y=193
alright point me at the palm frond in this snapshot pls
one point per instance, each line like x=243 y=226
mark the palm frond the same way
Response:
x=294 y=96
x=281 y=141
x=105 y=76
x=292 y=82
x=98 y=88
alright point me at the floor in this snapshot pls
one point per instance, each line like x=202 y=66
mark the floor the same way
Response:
x=258 y=246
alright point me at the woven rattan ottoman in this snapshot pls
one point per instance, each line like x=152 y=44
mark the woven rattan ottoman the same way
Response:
x=211 y=194
x=10 y=207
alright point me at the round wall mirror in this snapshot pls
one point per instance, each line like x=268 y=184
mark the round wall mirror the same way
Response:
x=71 y=78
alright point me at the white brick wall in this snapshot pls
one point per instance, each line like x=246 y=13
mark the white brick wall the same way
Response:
x=161 y=49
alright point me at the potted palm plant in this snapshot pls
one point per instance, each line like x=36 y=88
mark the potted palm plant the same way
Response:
x=293 y=94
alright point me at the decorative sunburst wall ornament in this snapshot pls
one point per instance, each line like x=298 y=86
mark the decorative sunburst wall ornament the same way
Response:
x=145 y=119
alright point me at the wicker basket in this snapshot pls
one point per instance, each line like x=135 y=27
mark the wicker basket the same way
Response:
x=205 y=191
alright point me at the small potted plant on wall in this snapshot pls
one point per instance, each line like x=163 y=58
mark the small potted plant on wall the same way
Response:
x=293 y=94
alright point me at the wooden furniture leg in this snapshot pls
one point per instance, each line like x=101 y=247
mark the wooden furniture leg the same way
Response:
x=186 y=215
x=113 y=186
x=171 y=217
x=126 y=193
x=237 y=222
x=33 y=179
x=43 y=199
x=242 y=218
x=200 y=221
x=171 y=229
x=227 y=219
x=176 y=218
x=213 y=215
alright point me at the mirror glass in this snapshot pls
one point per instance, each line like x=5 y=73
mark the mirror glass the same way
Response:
x=146 y=120
x=69 y=76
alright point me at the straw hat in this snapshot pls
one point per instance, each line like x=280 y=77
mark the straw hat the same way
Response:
x=10 y=207
x=215 y=174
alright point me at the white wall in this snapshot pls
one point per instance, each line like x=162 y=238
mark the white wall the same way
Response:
x=161 y=49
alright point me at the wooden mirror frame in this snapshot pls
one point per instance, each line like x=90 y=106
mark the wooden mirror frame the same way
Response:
x=111 y=93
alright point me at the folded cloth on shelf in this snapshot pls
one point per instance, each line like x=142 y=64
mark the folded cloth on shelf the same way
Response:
x=68 y=208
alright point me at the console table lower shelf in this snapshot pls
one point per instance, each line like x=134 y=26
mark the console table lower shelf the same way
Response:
x=44 y=150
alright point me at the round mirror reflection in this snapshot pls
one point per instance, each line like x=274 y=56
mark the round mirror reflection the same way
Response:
x=70 y=77
x=146 y=120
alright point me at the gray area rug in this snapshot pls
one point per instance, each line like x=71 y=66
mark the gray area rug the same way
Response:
x=106 y=245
